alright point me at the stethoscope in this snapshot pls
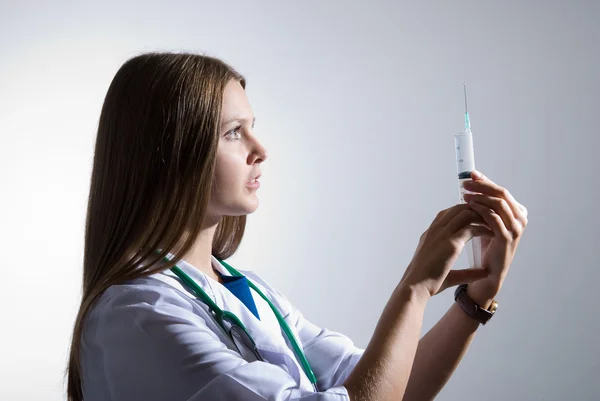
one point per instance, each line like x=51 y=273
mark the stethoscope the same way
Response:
x=238 y=333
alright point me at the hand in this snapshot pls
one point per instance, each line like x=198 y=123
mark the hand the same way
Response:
x=507 y=219
x=439 y=247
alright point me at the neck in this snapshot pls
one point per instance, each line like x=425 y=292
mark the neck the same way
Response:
x=200 y=255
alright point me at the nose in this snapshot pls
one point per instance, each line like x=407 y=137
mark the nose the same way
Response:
x=258 y=154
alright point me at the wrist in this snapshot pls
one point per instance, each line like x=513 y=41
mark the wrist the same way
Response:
x=483 y=293
x=414 y=293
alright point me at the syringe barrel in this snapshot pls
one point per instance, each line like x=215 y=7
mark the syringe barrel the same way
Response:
x=465 y=156
x=465 y=163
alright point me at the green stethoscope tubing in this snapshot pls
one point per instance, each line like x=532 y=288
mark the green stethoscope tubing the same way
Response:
x=220 y=313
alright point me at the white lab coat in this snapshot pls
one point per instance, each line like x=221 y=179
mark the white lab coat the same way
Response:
x=151 y=339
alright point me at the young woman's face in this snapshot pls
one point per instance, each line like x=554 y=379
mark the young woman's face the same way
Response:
x=239 y=155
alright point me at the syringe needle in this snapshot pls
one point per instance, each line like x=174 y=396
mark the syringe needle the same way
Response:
x=465 y=88
x=467 y=120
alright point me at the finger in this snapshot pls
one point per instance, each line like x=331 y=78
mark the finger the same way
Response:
x=464 y=276
x=462 y=236
x=482 y=184
x=493 y=220
x=519 y=211
x=446 y=215
x=462 y=219
x=521 y=214
x=500 y=207
x=523 y=210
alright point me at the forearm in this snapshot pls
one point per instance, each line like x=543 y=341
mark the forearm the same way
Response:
x=383 y=371
x=440 y=351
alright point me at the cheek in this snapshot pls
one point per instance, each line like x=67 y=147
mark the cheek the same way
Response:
x=227 y=172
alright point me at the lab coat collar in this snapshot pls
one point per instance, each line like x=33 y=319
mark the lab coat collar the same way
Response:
x=261 y=330
x=216 y=265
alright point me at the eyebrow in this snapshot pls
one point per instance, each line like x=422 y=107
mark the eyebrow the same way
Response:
x=238 y=119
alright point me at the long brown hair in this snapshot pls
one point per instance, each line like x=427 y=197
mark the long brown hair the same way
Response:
x=152 y=175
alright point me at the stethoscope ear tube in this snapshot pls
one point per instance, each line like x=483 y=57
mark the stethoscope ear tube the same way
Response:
x=285 y=327
x=221 y=315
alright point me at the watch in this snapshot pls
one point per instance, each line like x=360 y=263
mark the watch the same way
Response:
x=471 y=308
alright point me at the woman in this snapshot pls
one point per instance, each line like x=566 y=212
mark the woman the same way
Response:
x=175 y=173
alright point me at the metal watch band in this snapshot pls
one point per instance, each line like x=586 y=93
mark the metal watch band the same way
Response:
x=471 y=308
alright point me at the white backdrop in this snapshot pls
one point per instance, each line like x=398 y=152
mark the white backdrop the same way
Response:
x=357 y=103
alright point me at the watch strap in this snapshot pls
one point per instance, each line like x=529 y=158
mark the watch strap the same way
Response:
x=471 y=308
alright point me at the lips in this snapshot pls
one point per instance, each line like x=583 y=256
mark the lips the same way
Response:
x=255 y=178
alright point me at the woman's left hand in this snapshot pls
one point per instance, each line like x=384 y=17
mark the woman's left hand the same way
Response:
x=507 y=219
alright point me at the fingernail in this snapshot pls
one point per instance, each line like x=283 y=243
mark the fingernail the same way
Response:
x=475 y=174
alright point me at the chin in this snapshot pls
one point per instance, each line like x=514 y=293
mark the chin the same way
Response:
x=240 y=205
x=249 y=209
x=242 y=209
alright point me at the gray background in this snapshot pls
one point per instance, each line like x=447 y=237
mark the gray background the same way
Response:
x=357 y=103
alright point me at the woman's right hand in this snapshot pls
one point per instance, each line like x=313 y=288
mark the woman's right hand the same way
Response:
x=430 y=270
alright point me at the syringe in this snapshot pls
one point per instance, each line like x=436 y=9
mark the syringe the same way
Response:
x=465 y=163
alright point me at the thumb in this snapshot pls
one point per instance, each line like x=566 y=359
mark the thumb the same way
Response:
x=464 y=276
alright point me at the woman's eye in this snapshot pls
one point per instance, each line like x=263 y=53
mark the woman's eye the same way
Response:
x=234 y=134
